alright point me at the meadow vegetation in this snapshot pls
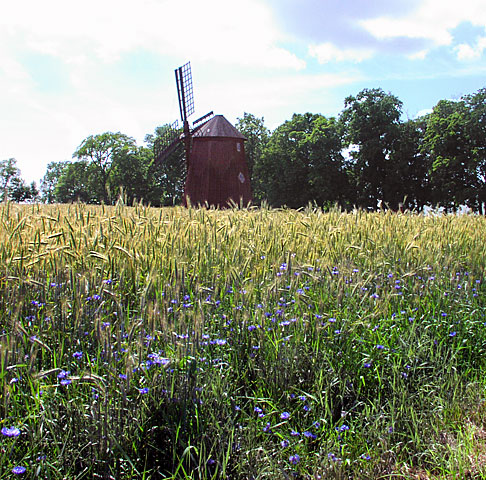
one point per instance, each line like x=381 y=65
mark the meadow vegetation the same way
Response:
x=140 y=342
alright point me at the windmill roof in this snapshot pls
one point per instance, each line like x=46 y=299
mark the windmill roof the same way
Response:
x=218 y=126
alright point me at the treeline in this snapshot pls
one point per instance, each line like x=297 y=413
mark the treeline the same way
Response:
x=367 y=157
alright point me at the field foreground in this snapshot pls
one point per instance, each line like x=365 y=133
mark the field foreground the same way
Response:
x=172 y=343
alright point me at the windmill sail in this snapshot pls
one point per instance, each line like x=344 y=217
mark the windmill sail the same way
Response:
x=167 y=143
x=185 y=91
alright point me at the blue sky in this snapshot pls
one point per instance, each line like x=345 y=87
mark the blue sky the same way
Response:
x=72 y=69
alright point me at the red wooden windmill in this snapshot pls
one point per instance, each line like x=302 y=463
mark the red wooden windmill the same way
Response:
x=217 y=173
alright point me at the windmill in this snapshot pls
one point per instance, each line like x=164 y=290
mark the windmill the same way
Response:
x=217 y=173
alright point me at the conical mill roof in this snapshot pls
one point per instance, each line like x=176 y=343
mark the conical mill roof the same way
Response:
x=218 y=126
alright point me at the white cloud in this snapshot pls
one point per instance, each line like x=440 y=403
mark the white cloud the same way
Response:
x=432 y=20
x=222 y=31
x=468 y=52
x=327 y=52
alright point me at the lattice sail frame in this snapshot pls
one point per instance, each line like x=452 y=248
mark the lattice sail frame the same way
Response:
x=185 y=91
x=167 y=142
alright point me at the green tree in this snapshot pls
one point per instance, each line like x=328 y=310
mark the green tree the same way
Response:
x=12 y=186
x=303 y=163
x=408 y=174
x=453 y=172
x=371 y=122
x=102 y=152
x=166 y=178
x=257 y=136
x=75 y=184
x=50 y=180
x=476 y=128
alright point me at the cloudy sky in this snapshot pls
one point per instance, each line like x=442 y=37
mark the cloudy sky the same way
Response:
x=72 y=69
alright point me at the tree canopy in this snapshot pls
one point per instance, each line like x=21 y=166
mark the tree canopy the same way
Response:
x=366 y=157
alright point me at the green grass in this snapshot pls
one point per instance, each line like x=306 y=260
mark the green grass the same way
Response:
x=184 y=343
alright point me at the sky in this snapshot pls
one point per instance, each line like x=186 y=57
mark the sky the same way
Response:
x=73 y=69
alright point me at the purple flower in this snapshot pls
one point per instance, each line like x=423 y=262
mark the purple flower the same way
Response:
x=294 y=459
x=452 y=334
x=65 y=382
x=77 y=355
x=380 y=347
x=18 y=470
x=284 y=443
x=143 y=391
x=10 y=432
x=285 y=416
x=310 y=435
x=342 y=428
x=294 y=433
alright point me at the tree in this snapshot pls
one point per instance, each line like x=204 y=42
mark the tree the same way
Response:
x=303 y=163
x=101 y=152
x=408 y=175
x=167 y=178
x=371 y=122
x=75 y=184
x=257 y=136
x=12 y=186
x=476 y=128
x=453 y=172
x=51 y=179
x=130 y=174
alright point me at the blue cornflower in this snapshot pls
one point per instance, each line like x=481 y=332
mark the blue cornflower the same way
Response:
x=342 y=428
x=10 y=432
x=285 y=415
x=19 y=470
x=294 y=459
